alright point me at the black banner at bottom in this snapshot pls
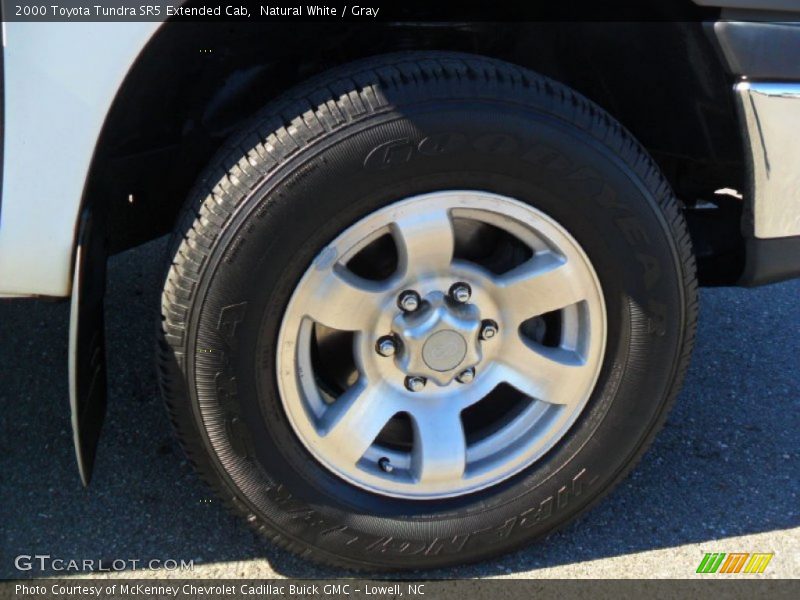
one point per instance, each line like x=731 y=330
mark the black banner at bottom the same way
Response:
x=361 y=589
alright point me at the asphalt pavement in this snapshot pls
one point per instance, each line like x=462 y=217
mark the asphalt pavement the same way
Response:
x=722 y=476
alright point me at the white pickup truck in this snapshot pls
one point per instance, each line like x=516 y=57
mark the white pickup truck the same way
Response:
x=432 y=286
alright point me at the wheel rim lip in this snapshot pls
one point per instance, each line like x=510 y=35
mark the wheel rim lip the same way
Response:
x=293 y=385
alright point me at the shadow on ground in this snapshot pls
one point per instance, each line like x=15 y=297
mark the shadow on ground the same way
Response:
x=725 y=465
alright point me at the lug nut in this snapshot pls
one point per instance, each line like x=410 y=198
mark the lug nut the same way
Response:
x=386 y=346
x=385 y=465
x=489 y=329
x=408 y=301
x=415 y=384
x=466 y=376
x=460 y=292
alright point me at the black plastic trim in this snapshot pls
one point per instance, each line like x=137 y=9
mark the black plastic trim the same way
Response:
x=760 y=5
x=87 y=347
x=770 y=260
x=760 y=51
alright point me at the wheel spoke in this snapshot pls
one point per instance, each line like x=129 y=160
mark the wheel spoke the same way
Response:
x=352 y=423
x=344 y=301
x=439 y=453
x=425 y=241
x=541 y=285
x=553 y=375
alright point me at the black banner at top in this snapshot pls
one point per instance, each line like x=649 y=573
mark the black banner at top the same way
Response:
x=347 y=10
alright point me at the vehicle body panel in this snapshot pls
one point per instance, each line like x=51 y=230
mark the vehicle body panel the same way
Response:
x=60 y=81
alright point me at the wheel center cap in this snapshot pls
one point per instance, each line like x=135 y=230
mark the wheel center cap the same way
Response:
x=444 y=350
x=439 y=340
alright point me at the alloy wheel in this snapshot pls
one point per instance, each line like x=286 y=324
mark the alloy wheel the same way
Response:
x=440 y=345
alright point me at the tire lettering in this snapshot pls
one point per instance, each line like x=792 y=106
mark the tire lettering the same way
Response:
x=390 y=545
x=496 y=144
x=492 y=535
x=632 y=230
x=549 y=159
x=313 y=521
x=238 y=436
x=651 y=268
x=389 y=153
x=448 y=546
x=607 y=198
x=441 y=143
x=636 y=236
x=534 y=516
x=657 y=318
x=233 y=250
x=225 y=382
x=226 y=387
x=229 y=319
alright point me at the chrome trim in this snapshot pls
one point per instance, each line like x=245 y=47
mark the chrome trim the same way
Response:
x=771 y=120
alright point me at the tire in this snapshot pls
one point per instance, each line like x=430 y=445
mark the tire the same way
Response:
x=342 y=148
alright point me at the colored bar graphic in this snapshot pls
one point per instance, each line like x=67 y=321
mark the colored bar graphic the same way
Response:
x=710 y=562
x=758 y=562
x=736 y=562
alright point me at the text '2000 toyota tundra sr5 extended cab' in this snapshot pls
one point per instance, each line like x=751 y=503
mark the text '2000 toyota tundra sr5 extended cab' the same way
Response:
x=431 y=289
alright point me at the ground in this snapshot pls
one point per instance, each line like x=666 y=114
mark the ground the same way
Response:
x=723 y=475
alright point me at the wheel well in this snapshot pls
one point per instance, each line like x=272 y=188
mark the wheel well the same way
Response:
x=195 y=83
